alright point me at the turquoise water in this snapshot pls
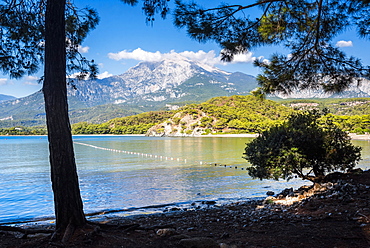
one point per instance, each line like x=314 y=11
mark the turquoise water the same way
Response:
x=131 y=172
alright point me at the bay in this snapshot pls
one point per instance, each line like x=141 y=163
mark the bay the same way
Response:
x=130 y=173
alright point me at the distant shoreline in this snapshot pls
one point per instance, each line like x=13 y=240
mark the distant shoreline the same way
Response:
x=243 y=135
x=246 y=135
x=359 y=136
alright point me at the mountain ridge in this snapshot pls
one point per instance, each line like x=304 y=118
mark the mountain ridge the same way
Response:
x=144 y=87
x=151 y=86
x=4 y=98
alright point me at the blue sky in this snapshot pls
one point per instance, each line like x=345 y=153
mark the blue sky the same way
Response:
x=123 y=39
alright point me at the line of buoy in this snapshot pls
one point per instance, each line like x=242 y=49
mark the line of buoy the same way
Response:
x=134 y=153
x=157 y=156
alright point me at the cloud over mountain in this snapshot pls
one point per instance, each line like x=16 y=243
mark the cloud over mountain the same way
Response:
x=210 y=58
x=105 y=74
x=31 y=80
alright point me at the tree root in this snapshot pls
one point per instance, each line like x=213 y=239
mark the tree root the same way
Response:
x=25 y=231
x=68 y=233
x=75 y=235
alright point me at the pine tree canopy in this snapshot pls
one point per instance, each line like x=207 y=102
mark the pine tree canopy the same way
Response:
x=22 y=31
x=306 y=28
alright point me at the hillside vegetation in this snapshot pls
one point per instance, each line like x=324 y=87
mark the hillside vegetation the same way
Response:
x=235 y=114
x=351 y=114
x=337 y=106
x=136 y=124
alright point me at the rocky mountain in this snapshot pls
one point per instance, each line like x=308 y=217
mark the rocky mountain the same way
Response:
x=157 y=83
x=147 y=86
x=4 y=98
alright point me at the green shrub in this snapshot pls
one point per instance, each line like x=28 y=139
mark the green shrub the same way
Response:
x=301 y=146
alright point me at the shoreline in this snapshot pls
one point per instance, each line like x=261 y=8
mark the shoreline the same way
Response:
x=359 y=136
x=353 y=136
x=307 y=217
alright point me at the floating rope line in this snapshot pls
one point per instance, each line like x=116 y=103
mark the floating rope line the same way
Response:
x=157 y=156
x=135 y=153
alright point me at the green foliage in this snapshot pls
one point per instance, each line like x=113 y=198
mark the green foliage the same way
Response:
x=306 y=28
x=351 y=115
x=336 y=106
x=206 y=122
x=188 y=132
x=136 y=124
x=176 y=120
x=353 y=124
x=238 y=114
x=21 y=123
x=20 y=130
x=22 y=30
x=247 y=114
x=235 y=114
x=303 y=145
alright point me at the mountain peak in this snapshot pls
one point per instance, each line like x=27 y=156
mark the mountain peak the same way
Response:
x=176 y=61
x=148 y=85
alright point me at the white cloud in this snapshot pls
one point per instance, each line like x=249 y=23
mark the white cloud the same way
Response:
x=30 y=83
x=209 y=58
x=104 y=75
x=343 y=43
x=31 y=80
x=137 y=54
x=206 y=58
x=74 y=75
x=266 y=61
x=82 y=49
x=243 y=58
x=3 y=81
x=99 y=76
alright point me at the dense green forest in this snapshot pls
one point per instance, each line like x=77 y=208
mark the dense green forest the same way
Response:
x=136 y=124
x=337 y=106
x=21 y=130
x=235 y=114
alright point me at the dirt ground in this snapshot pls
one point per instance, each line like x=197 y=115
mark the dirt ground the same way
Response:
x=335 y=214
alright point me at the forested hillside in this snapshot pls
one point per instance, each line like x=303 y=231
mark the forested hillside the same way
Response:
x=235 y=114
x=136 y=124
x=341 y=106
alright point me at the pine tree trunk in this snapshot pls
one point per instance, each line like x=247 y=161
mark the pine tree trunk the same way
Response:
x=67 y=198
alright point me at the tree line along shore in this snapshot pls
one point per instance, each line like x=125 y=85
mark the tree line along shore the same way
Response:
x=223 y=116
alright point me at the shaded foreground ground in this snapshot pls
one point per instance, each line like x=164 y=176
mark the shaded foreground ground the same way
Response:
x=336 y=214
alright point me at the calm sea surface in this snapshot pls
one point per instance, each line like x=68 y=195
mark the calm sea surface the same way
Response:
x=132 y=172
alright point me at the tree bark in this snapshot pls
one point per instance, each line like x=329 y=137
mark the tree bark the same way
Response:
x=67 y=198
